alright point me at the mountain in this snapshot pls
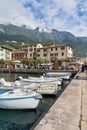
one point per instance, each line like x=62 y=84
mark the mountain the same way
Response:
x=11 y=32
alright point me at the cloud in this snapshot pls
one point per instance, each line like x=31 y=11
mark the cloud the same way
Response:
x=13 y=11
x=69 y=15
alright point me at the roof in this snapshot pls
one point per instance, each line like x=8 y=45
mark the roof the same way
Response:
x=55 y=45
x=47 y=45
x=8 y=47
x=14 y=51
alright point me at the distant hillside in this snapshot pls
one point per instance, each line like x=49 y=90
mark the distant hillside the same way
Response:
x=42 y=35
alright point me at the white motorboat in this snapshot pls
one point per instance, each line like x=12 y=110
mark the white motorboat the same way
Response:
x=63 y=75
x=9 y=84
x=41 y=87
x=41 y=79
x=19 y=99
x=48 y=89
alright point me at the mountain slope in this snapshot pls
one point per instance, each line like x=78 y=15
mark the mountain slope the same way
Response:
x=23 y=34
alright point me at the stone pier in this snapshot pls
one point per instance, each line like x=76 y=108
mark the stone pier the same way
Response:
x=69 y=112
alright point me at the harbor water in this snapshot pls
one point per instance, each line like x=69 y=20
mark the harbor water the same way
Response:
x=25 y=119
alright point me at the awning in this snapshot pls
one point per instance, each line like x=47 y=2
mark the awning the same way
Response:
x=17 y=61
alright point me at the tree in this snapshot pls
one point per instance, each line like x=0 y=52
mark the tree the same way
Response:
x=40 y=61
x=28 y=62
x=54 y=59
x=25 y=61
x=9 y=62
x=2 y=62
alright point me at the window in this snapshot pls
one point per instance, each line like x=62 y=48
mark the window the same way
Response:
x=38 y=55
x=7 y=57
x=7 y=52
x=62 y=53
x=21 y=55
x=31 y=49
x=44 y=55
x=38 y=50
x=25 y=55
x=63 y=47
x=56 y=54
x=16 y=56
x=1 y=54
x=1 y=49
x=51 y=49
x=44 y=50
x=30 y=54
x=34 y=49
x=26 y=50
x=34 y=55
x=56 y=48
x=51 y=54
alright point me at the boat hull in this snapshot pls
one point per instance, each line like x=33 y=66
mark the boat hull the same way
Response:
x=48 y=89
x=19 y=102
x=65 y=76
x=38 y=80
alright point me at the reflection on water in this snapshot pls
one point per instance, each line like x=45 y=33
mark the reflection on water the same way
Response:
x=12 y=76
x=16 y=119
x=23 y=119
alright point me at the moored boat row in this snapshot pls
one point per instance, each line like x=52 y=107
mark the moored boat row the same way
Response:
x=27 y=92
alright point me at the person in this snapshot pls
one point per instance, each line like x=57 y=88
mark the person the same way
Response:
x=80 y=68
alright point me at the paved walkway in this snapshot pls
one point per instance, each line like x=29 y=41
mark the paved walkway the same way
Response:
x=69 y=112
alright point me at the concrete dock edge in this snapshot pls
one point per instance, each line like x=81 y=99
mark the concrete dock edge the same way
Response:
x=69 y=112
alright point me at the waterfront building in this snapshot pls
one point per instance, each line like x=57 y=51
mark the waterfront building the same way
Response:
x=9 y=53
x=5 y=52
x=58 y=56
x=17 y=55
x=51 y=53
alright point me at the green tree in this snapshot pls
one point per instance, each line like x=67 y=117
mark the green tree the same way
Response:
x=2 y=62
x=28 y=62
x=9 y=62
x=40 y=61
x=25 y=61
x=54 y=59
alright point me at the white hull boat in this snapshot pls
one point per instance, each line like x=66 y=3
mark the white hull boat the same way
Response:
x=44 y=88
x=49 y=89
x=9 y=84
x=18 y=99
x=41 y=79
x=63 y=75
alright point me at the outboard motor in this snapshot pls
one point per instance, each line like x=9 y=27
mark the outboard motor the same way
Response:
x=17 y=83
x=2 y=81
x=19 y=78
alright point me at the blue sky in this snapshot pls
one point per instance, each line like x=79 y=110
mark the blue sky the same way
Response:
x=63 y=15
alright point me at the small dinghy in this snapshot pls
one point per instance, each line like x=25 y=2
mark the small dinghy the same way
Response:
x=19 y=99
x=63 y=75
x=41 y=79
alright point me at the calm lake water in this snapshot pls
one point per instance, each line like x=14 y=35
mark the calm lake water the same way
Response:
x=23 y=119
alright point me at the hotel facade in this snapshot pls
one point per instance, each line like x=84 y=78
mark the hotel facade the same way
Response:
x=59 y=54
